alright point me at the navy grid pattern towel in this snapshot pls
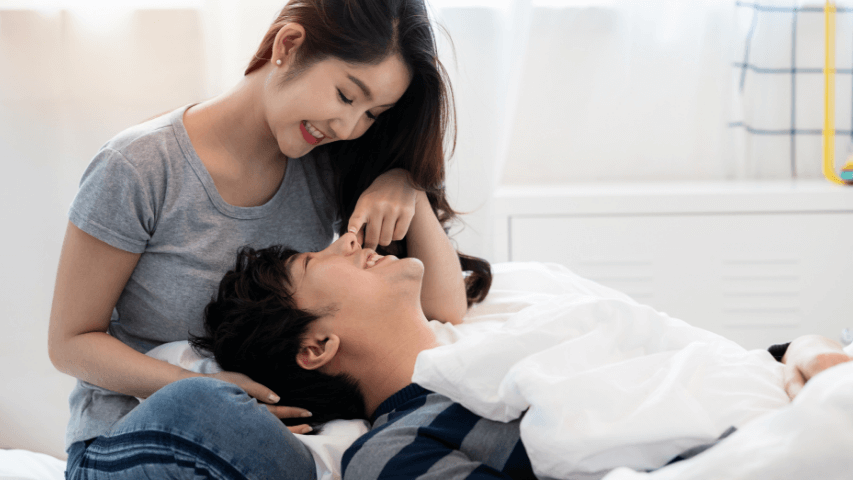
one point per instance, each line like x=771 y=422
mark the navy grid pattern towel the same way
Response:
x=779 y=89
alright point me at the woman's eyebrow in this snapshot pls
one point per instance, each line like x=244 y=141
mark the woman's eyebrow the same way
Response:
x=365 y=90
x=362 y=86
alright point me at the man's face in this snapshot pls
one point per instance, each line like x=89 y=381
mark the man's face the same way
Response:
x=357 y=282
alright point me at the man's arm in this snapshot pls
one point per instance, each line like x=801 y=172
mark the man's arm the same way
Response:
x=807 y=356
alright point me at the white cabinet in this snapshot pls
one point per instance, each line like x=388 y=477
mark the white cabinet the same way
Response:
x=756 y=262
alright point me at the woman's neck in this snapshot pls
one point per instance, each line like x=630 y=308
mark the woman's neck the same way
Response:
x=235 y=123
x=233 y=140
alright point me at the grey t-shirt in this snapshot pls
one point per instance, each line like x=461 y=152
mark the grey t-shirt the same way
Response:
x=147 y=192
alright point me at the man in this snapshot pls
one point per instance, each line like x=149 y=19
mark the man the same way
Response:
x=337 y=332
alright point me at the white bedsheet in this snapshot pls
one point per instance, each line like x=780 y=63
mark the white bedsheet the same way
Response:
x=27 y=465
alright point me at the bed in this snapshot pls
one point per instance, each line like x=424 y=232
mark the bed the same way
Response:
x=609 y=388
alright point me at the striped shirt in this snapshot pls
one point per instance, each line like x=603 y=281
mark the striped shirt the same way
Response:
x=419 y=434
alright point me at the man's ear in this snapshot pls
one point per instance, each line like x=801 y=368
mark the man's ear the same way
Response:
x=317 y=350
x=288 y=39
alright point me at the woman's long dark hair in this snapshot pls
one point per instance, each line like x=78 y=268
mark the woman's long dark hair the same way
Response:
x=411 y=135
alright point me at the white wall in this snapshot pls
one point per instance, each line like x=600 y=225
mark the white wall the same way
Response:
x=67 y=84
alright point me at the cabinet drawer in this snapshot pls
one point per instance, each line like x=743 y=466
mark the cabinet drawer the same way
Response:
x=754 y=278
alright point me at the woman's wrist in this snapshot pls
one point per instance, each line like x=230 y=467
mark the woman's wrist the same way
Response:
x=424 y=222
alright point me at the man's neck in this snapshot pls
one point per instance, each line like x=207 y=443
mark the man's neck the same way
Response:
x=392 y=371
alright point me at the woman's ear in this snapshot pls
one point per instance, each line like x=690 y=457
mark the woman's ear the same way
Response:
x=288 y=39
x=317 y=350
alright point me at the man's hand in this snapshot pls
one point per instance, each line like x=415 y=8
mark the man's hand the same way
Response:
x=806 y=357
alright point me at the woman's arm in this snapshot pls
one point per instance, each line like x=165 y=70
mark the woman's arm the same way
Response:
x=443 y=292
x=391 y=209
x=90 y=278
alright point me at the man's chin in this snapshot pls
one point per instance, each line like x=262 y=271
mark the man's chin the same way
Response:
x=413 y=268
x=405 y=271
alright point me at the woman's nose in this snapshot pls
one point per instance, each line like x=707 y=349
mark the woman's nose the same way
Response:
x=346 y=127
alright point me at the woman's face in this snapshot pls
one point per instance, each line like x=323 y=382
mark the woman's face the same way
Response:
x=331 y=100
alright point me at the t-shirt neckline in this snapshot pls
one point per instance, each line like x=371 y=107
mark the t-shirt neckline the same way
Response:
x=207 y=181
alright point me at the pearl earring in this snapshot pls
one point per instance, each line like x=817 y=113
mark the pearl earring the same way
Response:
x=278 y=62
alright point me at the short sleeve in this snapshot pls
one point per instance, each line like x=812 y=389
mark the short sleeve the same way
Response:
x=113 y=203
x=778 y=351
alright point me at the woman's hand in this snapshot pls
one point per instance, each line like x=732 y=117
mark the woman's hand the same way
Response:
x=384 y=211
x=806 y=357
x=265 y=396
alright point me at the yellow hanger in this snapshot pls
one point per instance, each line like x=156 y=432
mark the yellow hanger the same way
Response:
x=829 y=104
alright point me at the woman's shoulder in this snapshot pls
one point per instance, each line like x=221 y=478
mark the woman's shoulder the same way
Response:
x=150 y=143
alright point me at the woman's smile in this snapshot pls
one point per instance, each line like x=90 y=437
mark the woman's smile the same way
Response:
x=310 y=133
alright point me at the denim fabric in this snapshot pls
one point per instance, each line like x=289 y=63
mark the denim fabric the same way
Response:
x=194 y=428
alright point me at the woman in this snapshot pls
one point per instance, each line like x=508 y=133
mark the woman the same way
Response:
x=338 y=122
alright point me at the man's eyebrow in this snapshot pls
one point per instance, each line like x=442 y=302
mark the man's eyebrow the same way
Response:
x=288 y=265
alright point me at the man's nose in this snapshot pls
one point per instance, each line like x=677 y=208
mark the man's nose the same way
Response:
x=347 y=244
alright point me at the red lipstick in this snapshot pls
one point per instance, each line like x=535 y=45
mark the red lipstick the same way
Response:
x=307 y=136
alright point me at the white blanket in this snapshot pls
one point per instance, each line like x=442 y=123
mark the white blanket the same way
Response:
x=812 y=438
x=606 y=382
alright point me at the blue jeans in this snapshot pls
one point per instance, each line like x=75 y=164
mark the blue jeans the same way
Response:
x=194 y=428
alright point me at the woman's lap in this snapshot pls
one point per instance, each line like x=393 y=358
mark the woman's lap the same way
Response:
x=195 y=428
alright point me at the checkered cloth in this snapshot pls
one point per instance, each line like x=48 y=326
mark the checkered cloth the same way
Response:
x=779 y=87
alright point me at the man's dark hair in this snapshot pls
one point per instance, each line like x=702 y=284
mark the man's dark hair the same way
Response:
x=253 y=327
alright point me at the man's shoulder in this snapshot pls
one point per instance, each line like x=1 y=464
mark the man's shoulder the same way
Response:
x=393 y=434
x=438 y=435
x=429 y=415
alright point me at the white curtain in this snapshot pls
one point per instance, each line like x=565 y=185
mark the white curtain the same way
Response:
x=548 y=91
x=568 y=91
